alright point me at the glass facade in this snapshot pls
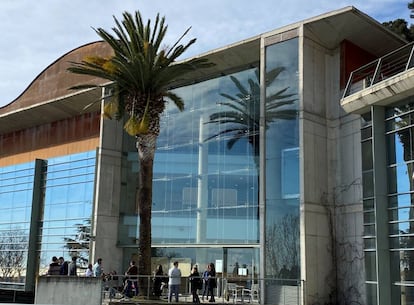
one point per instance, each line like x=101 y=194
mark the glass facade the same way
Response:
x=16 y=189
x=68 y=198
x=282 y=161
x=207 y=166
x=399 y=124
x=63 y=213
x=369 y=209
x=399 y=138
x=205 y=187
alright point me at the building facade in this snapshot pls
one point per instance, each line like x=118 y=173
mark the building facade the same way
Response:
x=261 y=174
x=381 y=93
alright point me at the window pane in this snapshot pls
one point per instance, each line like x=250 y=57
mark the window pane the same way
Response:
x=367 y=163
x=370 y=266
x=368 y=182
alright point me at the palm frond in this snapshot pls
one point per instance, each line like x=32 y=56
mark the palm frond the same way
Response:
x=140 y=67
x=239 y=86
x=178 y=101
x=223 y=132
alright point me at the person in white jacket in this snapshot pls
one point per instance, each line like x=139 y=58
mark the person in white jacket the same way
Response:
x=174 y=281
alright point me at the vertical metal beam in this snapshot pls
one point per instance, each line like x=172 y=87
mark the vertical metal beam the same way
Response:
x=380 y=206
x=262 y=167
x=33 y=254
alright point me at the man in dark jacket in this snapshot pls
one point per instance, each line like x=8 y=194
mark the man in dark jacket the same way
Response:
x=63 y=266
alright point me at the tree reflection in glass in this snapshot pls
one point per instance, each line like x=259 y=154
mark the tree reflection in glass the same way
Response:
x=241 y=116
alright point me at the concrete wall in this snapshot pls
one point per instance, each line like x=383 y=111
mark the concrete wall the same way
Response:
x=331 y=202
x=107 y=198
x=68 y=290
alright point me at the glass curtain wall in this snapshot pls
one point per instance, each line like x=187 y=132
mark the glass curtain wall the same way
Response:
x=206 y=174
x=282 y=161
x=16 y=190
x=399 y=124
x=370 y=253
x=205 y=187
x=64 y=216
x=399 y=139
x=66 y=221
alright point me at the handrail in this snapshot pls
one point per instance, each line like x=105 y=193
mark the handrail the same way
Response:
x=229 y=289
x=391 y=64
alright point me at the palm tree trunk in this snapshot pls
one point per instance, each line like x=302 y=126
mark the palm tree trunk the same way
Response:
x=146 y=152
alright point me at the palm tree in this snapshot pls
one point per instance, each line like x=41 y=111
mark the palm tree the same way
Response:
x=141 y=71
x=243 y=115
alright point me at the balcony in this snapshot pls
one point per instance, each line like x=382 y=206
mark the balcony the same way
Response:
x=381 y=82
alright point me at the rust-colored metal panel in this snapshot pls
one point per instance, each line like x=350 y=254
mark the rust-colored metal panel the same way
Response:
x=64 y=132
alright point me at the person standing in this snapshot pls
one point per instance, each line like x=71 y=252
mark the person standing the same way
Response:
x=63 y=266
x=195 y=281
x=72 y=269
x=97 y=268
x=54 y=267
x=132 y=279
x=211 y=282
x=205 y=279
x=158 y=281
x=174 y=282
x=89 y=271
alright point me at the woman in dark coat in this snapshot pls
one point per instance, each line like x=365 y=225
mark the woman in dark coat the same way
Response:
x=211 y=282
x=158 y=279
x=195 y=283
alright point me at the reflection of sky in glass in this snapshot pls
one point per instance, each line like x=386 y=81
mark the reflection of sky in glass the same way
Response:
x=184 y=158
x=282 y=166
x=180 y=129
x=16 y=189
x=283 y=135
x=68 y=202
x=400 y=173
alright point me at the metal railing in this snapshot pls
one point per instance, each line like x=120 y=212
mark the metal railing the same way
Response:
x=393 y=63
x=232 y=290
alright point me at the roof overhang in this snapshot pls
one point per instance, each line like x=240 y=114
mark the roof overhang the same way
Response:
x=51 y=111
x=330 y=29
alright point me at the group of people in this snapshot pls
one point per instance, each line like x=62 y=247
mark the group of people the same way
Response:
x=62 y=267
x=209 y=282
x=59 y=266
x=205 y=282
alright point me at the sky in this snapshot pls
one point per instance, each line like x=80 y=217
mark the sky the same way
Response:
x=36 y=33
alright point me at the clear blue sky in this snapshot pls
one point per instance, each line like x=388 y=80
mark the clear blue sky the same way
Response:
x=37 y=32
